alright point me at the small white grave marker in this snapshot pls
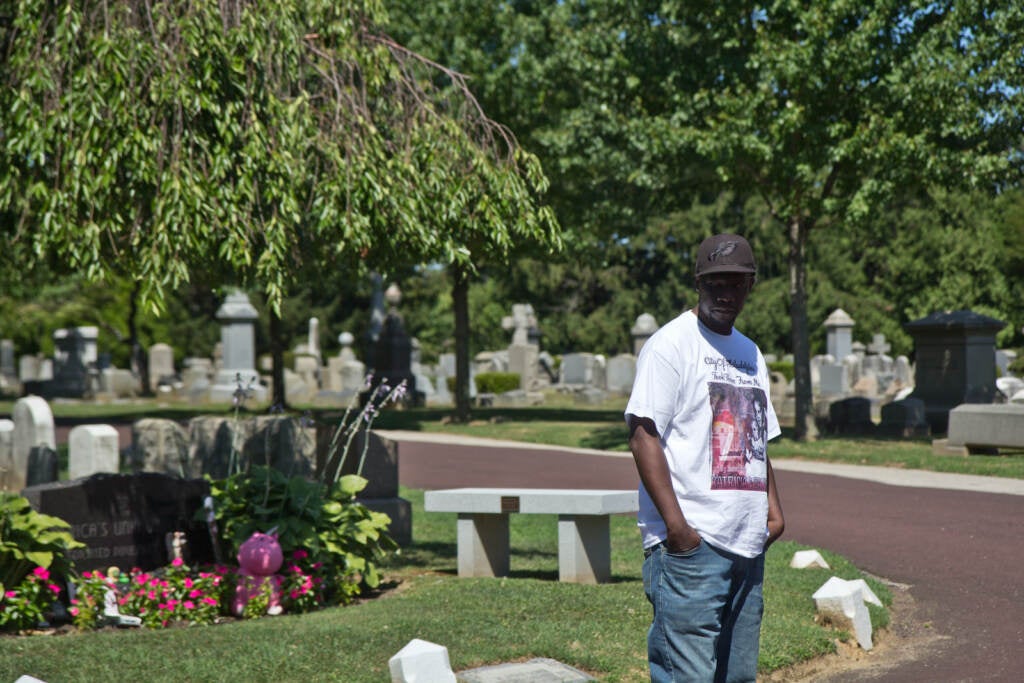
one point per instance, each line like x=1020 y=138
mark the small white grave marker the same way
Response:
x=92 y=449
x=802 y=559
x=842 y=602
x=421 y=662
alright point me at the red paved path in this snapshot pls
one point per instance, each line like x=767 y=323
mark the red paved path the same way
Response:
x=962 y=553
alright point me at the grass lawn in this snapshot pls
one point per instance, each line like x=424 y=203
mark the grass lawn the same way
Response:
x=600 y=629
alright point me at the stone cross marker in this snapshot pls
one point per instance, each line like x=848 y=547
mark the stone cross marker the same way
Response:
x=878 y=345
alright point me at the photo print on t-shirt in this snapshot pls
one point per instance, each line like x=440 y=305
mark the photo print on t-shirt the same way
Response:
x=739 y=427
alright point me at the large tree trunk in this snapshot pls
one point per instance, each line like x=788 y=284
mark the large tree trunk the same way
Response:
x=279 y=399
x=803 y=424
x=139 y=359
x=460 y=302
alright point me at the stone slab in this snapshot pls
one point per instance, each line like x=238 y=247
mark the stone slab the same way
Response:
x=532 y=501
x=123 y=519
x=92 y=449
x=421 y=661
x=33 y=426
x=842 y=602
x=987 y=425
x=584 y=546
x=540 y=670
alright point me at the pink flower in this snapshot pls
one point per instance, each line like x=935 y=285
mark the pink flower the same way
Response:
x=189 y=604
x=11 y=594
x=294 y=595
x=300 y=555
x=151 y=595
x=86 y=575
x=177 y=562
x=54 y=587
x=209 y=601
x=188 y=582
x=42 y=572
x=195 y=594
x=74 y=611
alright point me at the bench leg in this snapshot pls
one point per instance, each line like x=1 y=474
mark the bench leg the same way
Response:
x=483 y=544
x=584 y=549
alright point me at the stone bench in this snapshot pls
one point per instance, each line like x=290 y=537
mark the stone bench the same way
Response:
x=584 y=542
x=982 y=427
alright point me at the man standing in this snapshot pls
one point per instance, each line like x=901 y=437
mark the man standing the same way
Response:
x=699 y=418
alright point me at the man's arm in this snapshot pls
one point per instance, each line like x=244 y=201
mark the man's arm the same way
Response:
x=776 y=521
x=652 y=466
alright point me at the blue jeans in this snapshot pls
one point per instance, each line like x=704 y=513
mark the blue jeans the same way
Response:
x=707 y=614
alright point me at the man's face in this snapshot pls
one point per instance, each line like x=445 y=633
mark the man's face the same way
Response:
x=721 y=298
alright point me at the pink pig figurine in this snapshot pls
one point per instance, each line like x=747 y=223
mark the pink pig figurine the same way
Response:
x=259 y=558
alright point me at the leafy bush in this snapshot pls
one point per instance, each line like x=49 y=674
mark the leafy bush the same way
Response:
x=1016 y=368
x=29 y=539
x=25 y=606
x=32 y=547
x=343 y=536
x=785 y=367
x=497 y=382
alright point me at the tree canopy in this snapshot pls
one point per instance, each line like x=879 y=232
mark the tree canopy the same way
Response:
x=261 y=140
x=823 y=111
x=870 y=151
x=254 y=141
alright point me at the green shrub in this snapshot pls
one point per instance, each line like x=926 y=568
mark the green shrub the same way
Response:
x=33 y=547
x=29 y=539
x=497 y=382
x=321 y=519
x=1016 y=368
x=783 y=366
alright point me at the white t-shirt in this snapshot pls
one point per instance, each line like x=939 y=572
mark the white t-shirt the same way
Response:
x=707 y=394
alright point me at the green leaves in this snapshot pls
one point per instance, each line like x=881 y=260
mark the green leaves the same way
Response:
x=324 y=520
x=254 y=141
x=29 y=539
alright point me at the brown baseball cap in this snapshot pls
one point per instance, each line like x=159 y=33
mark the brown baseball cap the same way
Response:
x=725 y=254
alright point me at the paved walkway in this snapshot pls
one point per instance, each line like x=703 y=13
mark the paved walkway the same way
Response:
x=955 y=540
x=882 y=475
